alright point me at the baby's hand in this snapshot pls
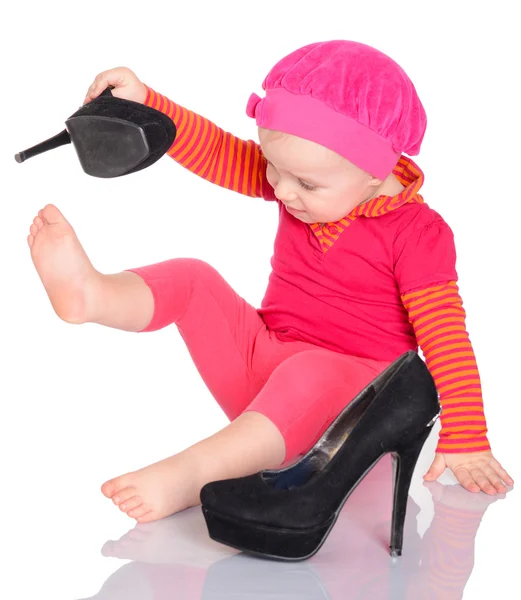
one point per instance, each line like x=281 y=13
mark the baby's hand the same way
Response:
x=474 y=470
x=126 y=85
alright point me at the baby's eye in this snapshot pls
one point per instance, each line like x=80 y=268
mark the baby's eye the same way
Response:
x=306 y=186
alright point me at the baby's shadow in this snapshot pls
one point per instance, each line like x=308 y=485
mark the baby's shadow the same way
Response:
x=175 y=558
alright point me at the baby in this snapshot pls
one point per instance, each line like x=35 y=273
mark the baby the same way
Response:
x=363 y=270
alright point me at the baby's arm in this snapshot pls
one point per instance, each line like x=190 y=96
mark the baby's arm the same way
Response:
x=438 y=319
x=213 y=154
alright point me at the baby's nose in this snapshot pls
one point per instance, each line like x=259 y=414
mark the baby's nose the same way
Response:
x=285 y=193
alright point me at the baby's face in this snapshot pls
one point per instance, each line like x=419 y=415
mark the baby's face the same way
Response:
x=315 y=184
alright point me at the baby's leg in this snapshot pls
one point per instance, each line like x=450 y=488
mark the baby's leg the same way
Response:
x=79 y=293
x=221 y=331
x=300 y=399
x=307 y=391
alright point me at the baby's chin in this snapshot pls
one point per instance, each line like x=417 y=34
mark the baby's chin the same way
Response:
x=301 y=215
x=305 y=218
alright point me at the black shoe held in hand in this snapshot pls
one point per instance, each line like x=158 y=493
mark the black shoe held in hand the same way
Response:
x=288 y=513
x=112 y=136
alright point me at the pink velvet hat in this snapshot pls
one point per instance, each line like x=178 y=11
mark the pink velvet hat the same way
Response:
x=348 y=97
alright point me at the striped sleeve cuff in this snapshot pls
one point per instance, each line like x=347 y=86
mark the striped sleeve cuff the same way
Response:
x=438 y=319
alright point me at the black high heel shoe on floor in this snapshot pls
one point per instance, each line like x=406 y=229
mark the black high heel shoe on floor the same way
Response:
x=288 y=513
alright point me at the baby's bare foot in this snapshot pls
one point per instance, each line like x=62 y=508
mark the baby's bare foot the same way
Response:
x=157 y=491
x=67 y=274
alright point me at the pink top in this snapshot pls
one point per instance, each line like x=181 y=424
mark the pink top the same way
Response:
x=348 y=298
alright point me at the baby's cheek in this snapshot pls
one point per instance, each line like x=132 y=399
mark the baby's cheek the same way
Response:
x=271 y=177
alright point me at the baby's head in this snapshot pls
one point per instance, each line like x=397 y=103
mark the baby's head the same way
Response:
x=335 y=120
x=315 y=184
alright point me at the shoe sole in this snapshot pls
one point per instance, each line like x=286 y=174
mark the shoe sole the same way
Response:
x=107 y=147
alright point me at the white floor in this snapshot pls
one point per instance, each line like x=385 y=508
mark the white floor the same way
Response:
x=62 y=539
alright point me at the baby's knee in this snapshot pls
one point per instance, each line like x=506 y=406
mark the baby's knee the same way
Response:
x=185 y=268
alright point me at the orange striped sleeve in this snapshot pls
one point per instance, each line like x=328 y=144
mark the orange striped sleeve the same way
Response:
x=438 y=319
x=210 y=152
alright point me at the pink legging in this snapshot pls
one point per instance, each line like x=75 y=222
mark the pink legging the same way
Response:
x=300 y=387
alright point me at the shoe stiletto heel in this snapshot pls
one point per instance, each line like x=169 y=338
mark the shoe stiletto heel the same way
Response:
x=403 y=461
x=288 y=513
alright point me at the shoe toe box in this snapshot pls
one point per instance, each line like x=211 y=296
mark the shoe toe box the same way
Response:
x=234 y=497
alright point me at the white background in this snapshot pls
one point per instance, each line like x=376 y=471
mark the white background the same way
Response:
x=81 y=404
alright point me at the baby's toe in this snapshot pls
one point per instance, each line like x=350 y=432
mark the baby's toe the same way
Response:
x=52 y=214
x=131 y=504
x=139 y=512
x=111 y=487
x=147 y=517
x=124 y=495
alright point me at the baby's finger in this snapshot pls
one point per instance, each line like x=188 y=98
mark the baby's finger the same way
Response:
x=501 y=472
x=482 y=481
x=466 y=480
x=99 y=84
x=495 y=479
x=93 y=91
